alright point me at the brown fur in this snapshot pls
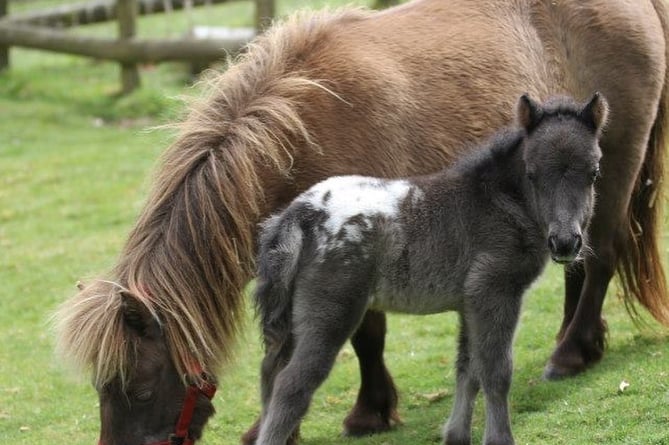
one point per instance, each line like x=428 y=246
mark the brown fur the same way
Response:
x=640 y=266
x=392 y=93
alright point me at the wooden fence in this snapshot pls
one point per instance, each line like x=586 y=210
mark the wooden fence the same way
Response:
x=41 y=30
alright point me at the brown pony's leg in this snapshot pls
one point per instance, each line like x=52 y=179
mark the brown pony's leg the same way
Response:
x=574 y=276
x=582 y=339
x=583 y=332
x=376 y=407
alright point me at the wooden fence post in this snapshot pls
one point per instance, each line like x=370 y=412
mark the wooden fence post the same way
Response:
x=264 y=14
x=4 y=49
x=126 y=11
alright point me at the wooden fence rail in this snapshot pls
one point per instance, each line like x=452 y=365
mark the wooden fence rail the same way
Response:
x=97 y=11
x=127 y=51
x=38 y=30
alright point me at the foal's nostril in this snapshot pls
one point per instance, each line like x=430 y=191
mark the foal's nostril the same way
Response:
x=552 y=243
x=578 y=243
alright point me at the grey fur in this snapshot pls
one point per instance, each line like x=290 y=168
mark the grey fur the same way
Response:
x=469 y=239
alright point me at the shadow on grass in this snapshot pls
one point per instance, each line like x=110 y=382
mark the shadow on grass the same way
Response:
x=531 y=393
x=423 y=420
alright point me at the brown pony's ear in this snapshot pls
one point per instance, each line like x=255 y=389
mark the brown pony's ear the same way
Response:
x=136 y=315
x=596 y=111
x=528 y=112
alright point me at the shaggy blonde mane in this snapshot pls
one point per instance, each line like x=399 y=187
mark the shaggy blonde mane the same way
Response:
x=190 y=254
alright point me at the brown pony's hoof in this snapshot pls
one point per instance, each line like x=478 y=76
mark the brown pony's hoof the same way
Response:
x=574 y=357
x=361 y=422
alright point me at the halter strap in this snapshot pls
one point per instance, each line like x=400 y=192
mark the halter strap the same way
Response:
x=180 y=435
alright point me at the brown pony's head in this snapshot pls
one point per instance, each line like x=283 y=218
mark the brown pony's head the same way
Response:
x=144 y=399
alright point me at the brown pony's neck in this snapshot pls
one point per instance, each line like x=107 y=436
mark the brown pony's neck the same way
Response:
x=191 y=252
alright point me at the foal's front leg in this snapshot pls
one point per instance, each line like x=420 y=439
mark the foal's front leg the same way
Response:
x=458 y=428
x=492 y=321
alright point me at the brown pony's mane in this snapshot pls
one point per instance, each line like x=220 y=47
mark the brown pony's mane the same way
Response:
x=191 y=251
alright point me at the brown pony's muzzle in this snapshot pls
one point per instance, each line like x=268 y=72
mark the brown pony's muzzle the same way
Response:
x=181 y=435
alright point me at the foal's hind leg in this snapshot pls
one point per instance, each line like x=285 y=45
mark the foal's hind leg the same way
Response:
x=276 y=357
x=323 y=321
x=458 y=428
x=375 y=409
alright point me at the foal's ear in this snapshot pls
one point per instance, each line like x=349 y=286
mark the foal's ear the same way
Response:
x=595 y=112
x=528 y=112
x=136 y=315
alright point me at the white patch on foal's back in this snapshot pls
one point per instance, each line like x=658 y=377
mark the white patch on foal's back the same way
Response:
x=343 y=197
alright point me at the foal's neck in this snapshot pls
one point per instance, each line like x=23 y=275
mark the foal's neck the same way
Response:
x=497 y=174
x=498 y=165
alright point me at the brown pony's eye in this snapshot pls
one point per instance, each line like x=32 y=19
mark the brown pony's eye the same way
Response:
x=144 y=395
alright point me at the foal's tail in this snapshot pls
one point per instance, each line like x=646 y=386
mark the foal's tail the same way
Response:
x=280 y=249
x=640 y=267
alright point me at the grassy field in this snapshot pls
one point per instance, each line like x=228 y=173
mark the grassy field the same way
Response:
x=75 y=163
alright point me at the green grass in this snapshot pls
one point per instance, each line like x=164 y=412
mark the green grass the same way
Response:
x=75 y=163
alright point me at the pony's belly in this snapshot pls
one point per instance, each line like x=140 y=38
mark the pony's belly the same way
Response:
x=410 y=303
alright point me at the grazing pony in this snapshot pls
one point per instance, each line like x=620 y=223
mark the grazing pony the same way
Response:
x=396 y=93
x=470 y=238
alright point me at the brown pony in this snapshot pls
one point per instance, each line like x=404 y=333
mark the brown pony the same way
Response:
x=387 y=94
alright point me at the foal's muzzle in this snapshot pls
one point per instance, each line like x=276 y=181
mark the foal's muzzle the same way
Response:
x=564 y=247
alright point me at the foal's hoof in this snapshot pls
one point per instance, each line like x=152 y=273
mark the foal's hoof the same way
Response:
x=359 y=423
x=250 y=437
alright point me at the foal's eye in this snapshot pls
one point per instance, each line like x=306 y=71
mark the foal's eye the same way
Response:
x=595 y=174
x=531 y=176
x=144 y=395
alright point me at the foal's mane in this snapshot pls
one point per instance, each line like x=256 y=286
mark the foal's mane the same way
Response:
x=504 y=142
x=190 y=253
x=500 y=145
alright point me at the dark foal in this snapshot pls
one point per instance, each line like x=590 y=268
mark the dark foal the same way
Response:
x=470 y=239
